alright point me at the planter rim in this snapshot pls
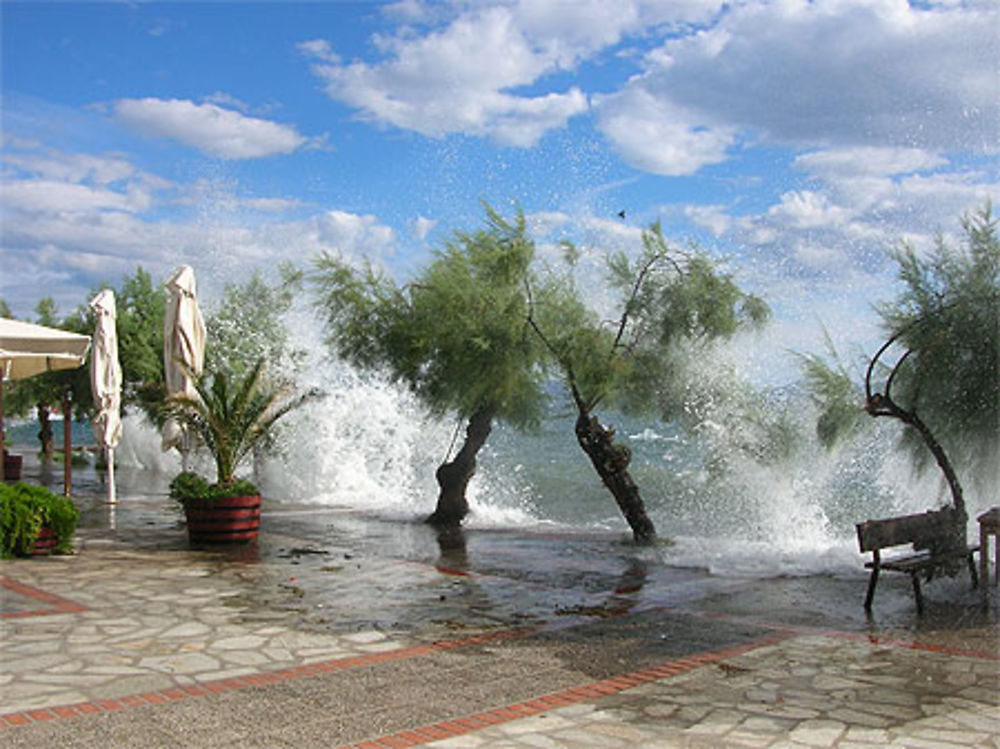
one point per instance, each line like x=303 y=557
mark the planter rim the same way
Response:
x=233 y=500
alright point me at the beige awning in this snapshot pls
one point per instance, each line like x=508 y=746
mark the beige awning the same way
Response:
x=27 y=349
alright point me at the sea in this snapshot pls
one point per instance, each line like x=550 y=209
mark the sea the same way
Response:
x=368 y=446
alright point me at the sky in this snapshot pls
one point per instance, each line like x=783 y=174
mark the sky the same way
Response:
x=797 y=141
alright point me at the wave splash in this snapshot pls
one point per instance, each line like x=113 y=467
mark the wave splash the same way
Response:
x=370 y=446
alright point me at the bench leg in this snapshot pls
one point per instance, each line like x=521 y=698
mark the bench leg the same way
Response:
x=871 y=589
x=916 y=592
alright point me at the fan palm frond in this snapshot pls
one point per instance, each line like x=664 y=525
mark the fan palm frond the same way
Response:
x=231 y=414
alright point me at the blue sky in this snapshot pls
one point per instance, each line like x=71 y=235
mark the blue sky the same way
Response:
x=798 y=140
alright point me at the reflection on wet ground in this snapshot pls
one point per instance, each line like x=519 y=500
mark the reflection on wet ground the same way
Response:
x=335 y=558
x=337 y=627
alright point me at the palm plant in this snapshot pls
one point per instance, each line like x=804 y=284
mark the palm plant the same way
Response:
x=232 y=414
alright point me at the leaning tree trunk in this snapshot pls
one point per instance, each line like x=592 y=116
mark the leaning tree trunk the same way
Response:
x=453 y=477
x=611 y=463
x=882 y=405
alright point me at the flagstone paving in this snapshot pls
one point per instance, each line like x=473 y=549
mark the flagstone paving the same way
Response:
x=328 y=633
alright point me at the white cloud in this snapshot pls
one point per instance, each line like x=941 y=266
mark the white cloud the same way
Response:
x=352 y=234
x=319 y=49
x=43 y=183
x=868 y=160
x=847 y=73
x=462 y=77
x=408 y=11
x=222 y=99
x=657 y=136
x=72 y=221
x=422 y=227
x=79 y=167
x=807 y=209
x=455 y=81
x=846 y=226
x=711 y=217
x=546 y=223
x=218 y=132
x=272 y=205
x=48 y=196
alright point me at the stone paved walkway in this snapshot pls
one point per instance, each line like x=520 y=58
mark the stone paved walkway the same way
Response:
x=329 y=633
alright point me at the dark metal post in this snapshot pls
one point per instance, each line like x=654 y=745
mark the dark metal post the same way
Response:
x=67 y=443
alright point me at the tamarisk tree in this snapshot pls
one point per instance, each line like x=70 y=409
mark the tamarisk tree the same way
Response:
x=457 y=336
x=668 y=299
x=938 y=371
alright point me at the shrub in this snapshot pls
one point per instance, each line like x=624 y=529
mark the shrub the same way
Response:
x=24 y=509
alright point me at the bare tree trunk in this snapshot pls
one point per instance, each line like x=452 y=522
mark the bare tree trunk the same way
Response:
x=45 y=435
x=453 y=477
x=881 y=405
x=611 y=463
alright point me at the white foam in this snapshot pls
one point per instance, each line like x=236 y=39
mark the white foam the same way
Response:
x=370 y=446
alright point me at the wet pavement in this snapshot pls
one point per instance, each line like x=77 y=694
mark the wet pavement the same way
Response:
x=337 y=629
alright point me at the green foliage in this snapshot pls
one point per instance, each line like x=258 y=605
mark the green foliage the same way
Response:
x=190 y=485
x=24 y=509
x=141 y=313
x=942 y=354
x=581 y=348
x=948 y=317
x=46 y=313
x=840 y=402
x=837 y=398
x=669 y=299
x=232 y=414
x=248 y=325
x=457 y=335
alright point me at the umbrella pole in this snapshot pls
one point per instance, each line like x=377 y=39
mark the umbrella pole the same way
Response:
x=3 y=444
x=112 y=498
x=67 y=444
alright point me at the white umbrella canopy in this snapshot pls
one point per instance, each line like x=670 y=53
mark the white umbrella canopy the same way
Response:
x=106 y=380
x=183 y=349
x=27 y=350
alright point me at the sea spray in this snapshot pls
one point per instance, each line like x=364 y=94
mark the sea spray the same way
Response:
x=743 y=488
x=366 y=444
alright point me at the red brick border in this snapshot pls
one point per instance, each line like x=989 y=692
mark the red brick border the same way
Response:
x=574 y=695
x=57 y=604
x=887 y=641
x=418 y=736
x=238 y=683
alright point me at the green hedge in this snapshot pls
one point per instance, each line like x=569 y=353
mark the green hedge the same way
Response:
x=24 y=509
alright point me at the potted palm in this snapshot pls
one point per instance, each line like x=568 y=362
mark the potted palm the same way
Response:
x=230 y=414
x=34 y=521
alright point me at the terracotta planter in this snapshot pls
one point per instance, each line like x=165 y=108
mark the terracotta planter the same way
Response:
x=46 y=542
x=12 y=467
x=226 y=520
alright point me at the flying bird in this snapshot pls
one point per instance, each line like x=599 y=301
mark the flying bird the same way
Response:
x=621 y=215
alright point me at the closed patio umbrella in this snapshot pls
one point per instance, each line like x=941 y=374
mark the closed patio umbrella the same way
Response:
x=183 y=351
x=106 y=381
x=27 y=349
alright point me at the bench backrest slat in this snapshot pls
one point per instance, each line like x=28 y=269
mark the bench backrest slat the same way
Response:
x=935 y=528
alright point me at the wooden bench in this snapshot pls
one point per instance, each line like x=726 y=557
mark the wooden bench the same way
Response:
x=937 y=538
